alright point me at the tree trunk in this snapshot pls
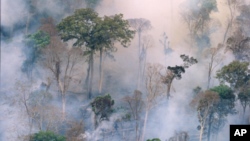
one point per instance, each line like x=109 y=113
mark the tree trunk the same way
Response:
x=244 y=111
x=139 y=76
x=145 y=124
x=139 y=56
x=100 y=72
x=95 y=121
x=136 y=130
x=230 y=22
x=168 y=90
x=226 y=32
x=144 y=65
x=63 y=105
x=91 y=74
x=209 y=75
x=87 y=77
x=209 y=127
x=27 y=24
x=201 y=132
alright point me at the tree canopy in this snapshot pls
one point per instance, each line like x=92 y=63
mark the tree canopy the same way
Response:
x=47 y=136
x=236 y=74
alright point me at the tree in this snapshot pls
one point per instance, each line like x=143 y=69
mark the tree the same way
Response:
x=45 y=115
x=135 y=104
x=60 y=60
x=154 y=90
x=225 y=106
x=205 y=103
x=108 y=31
x=239 y=45
x=63 y=64
x=233 y=5
x=93 y=33
x=235 y=73
x=215 y=58
x=80 y=27
x=48 y=26
x=140 y=25
x=37 y=107
x=147 y=42
x=102 y=106
x=47 y=136
x=239 y=41
x=35 y=43
x=196 y=15
x=75 y=130
x=179 y=136
x=175 y=72
x=244 y=97
x=22 y=99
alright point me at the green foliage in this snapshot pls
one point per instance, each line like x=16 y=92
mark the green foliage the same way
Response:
x=35 y=43
x=79 y=26
x=47 y=136
x=178 y=70
x=114 y=28
x=224 y=92
x=93 y=31
x=38 y=40
x=244 y=97
x=102 y=106
x=155 y=139
x=226 y=104
x=188 y=61
x=236 y=74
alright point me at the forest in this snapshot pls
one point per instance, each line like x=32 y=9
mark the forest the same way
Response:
x=124 y=70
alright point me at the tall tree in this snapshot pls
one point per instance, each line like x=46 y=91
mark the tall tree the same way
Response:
x=205 y=103
x=175 y=72
x=135 y=103
x=80 y=26
x=196 y=15
x=59 y=60
x=233 y=6
x=225 y=106
x=235 y=73
x=147 y=42
x=244 y=98
x=215 y=58
x=62 y=63
x=239 y=41
x=93 y=33
x=140 y=25
x=108 y=31
x=154 y=90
